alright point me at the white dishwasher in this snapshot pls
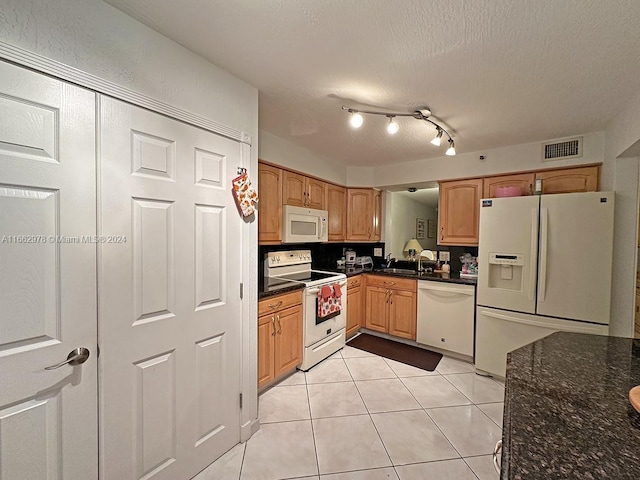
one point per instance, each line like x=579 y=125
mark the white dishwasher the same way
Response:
x=446 y=316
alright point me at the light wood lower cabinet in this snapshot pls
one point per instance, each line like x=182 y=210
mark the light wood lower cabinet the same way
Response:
x=391 y=305
x=355 y=305
x=279 y=336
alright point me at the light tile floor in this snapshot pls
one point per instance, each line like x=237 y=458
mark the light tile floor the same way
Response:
x=358 y=416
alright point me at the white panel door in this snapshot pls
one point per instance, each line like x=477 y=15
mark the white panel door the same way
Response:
x=576 y=250
x=508 y=226
x=169 y=308
x=48 y=418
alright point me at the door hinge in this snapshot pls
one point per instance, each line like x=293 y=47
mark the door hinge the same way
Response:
x=240 y=400
x=241 y=290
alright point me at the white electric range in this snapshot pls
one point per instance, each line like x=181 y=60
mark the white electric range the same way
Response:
x=321 y=336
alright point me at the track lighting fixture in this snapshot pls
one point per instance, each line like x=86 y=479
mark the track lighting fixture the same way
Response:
x=423 y=113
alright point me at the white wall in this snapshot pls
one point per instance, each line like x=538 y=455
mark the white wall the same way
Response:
x=92 y=36
x=622 y=137
x=277 y=150
x=514 y=158
x=400 y=223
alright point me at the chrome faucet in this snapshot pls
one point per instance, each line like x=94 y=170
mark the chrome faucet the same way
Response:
x=389 y=260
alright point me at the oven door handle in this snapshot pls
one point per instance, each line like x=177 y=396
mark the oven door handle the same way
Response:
x=314 y=291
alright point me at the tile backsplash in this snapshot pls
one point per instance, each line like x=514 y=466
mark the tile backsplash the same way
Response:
x=325 y=255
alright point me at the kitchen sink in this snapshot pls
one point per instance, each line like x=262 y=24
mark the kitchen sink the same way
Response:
x=401 y=271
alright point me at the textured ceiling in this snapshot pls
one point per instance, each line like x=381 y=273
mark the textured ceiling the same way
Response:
x=494 y=72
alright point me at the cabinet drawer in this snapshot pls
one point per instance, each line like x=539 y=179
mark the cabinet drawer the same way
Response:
x=353 y=282
x=396 y=283
x=278 y=302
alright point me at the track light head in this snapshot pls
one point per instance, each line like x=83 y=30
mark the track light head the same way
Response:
x=452 y=148
x=356 y=119
x=436 y=140
x=392 y=127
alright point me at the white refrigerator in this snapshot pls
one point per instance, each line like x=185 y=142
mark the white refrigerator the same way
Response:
x=544 y=265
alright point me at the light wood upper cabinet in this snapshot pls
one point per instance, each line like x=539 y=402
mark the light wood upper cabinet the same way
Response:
x=270 y=205
x=294 y=191
x=522 y=180
x=316 y=194
x=579 y=179
x=377 y=215
x=364 y=212
x=302 y=191
x=337 y=208
x=459 y=212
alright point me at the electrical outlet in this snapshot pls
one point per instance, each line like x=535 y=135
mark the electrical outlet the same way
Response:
x=444 y=256
x=377 y=252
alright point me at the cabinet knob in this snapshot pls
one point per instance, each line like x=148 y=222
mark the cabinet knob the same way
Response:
x=441 y=233
x=279 y=325
x=273 y=325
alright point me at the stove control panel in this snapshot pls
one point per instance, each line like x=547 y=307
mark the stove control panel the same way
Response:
x=289 y=257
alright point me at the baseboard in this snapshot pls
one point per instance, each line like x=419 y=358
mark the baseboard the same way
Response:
x=248 y=429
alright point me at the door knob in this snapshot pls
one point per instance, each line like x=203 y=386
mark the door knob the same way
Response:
x=75 y=357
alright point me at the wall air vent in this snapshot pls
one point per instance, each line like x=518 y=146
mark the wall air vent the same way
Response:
x=570 y=148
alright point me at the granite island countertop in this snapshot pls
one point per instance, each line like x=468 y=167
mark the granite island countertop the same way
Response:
x=567 y=413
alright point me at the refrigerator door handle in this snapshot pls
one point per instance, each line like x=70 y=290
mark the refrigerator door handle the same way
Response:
x=533 y=256
x=542 y=274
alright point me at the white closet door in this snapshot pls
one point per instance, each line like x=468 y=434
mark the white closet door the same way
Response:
x=169 y=307
x=48 y=418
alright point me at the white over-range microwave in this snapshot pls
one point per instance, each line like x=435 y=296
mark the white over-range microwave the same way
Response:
x=303 y=225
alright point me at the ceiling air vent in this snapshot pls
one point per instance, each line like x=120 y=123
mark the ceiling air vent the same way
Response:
x=571 y=148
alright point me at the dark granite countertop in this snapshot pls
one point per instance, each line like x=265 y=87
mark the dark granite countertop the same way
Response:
x=452 y=277
x=265 y=291
x=567 y=413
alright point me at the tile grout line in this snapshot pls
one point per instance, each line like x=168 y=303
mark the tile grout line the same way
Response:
x=313 y=434
x=371 y=418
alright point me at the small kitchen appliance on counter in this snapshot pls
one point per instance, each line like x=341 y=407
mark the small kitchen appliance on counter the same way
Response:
x=363 y=261
x=322 y=336
x=350 y=258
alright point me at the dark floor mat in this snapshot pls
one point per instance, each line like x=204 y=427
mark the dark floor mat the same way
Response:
x=400 y=352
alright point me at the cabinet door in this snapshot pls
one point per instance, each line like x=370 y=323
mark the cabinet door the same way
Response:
x=293 y=189
x=402 y=314
x=359 y=214
x=270 y=208
x=377 y=215
x=337 y=207
x=315 y=190
x=377 y=309
x=581 y=179
x=459 y=212
x=266 y=365
x=288 y=349
x=522 y=180
x=354 y=310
